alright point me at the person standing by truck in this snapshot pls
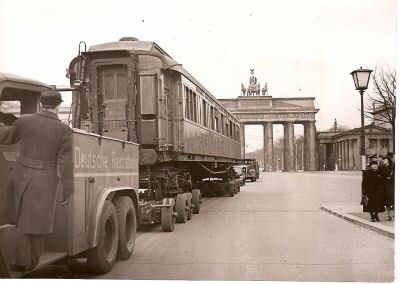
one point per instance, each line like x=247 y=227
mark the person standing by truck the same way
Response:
x=45 y=156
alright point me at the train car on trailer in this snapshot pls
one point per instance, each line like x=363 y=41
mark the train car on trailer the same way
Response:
x=134 y=91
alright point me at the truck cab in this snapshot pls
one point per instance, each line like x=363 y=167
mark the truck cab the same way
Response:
x=100 y=221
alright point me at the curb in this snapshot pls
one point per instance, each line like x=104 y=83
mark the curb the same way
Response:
x=381 y=229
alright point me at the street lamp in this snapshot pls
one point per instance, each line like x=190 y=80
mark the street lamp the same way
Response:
x=361 y=80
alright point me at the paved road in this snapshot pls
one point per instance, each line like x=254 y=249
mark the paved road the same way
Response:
x=272 y=230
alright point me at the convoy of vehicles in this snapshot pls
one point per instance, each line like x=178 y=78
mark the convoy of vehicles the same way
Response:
x=149 y=141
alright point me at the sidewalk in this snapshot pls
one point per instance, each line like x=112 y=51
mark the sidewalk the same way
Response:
x=353 y=213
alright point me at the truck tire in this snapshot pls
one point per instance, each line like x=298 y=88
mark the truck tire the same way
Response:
x=253 y=179
x=101 y=258
x=231 y=188
x=180 y=207
x=196 y=200
x=189 y=204
x=126 y=215
x=167 y=219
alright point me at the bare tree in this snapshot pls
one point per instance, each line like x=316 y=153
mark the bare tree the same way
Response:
x=381 y=106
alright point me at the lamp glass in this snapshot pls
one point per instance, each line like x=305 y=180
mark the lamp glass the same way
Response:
x=361 y=78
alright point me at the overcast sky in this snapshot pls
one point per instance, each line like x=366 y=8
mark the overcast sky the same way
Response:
x=304 y=48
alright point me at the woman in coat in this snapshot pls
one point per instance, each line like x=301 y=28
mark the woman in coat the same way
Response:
x=387 y=172
x=372 y=187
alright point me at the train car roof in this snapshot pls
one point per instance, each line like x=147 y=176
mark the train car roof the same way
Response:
x=132 y=45
x=22 y=83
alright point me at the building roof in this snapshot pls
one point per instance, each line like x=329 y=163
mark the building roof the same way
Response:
x=369 y=129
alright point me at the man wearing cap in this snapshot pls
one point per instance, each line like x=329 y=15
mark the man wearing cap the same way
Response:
x=45 y=157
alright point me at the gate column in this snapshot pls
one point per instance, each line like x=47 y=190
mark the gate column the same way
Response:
x=313 y=150
x=310 y=154
x=268 y=147
x=306 y=142
x=289 y=163
x=242 y=141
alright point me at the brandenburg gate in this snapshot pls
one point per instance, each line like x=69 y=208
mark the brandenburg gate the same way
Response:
x=267 y=111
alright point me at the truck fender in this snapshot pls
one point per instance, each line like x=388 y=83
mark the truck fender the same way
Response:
x=99 y=208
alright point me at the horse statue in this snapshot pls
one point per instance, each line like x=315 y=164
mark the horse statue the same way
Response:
x=254 y=87
x=265 y=90
x=243 y=90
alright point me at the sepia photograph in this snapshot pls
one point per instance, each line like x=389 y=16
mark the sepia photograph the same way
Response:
x=212 y=140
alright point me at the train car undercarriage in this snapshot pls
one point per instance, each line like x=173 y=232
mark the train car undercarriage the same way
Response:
x=173 y=192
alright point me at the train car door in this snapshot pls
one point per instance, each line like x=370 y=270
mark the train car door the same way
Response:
x=113 y=105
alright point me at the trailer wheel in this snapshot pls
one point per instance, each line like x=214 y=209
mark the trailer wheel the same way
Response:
x=189 y=204
x=126 y=215
x=101 y=258
x=196 y=197
x=181 y=208
x=167 y=219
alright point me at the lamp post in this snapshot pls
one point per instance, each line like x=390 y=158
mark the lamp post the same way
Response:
x=361 y=80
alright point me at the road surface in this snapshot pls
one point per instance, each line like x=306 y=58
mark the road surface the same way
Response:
x=272 y=230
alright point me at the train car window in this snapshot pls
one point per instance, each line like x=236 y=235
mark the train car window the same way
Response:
x=187 y=105
x=204 y=113
x=230 y=129
x=222 y=124
x=195 y=112
x=192 y=103
x=211 y=122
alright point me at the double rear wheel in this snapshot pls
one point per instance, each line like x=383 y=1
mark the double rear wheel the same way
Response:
x=116 y=233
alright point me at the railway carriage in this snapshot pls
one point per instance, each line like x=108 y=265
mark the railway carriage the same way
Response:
x=134 y=91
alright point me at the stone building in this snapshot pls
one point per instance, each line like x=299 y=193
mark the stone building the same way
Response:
x=340 y=150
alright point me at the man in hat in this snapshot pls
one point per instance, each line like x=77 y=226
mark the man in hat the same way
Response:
x=45 y=157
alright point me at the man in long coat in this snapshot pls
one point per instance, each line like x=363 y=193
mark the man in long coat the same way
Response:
x=45 y=157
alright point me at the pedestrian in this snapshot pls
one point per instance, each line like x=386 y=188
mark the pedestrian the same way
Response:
x=387 y=172
x=45 y=157
x=372 y=187
x=390 y=155
x=373 y=157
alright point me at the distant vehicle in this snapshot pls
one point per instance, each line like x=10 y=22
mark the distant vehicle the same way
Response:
x=253 y=164
x=240 y=170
